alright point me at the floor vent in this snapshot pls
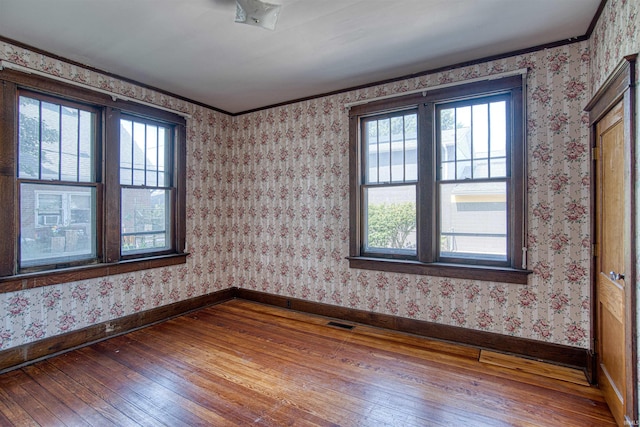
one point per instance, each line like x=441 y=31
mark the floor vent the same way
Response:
x=340 y=325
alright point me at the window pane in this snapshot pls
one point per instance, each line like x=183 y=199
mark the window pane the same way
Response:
x=384 y=150
x=397 y=148
x=126 y=152
x=463 y=170
x=473 y=220
x=145 y=220
x=144 y=154
x=411 y=146
x=55 y=141
x=50 y=146
x=480 y=141
x=371 y=152
x=474 y=137
x=163 y=156
x=447 y=119
x=391 y=149
x=139 y=153
x=463 y=133
x=85 y=149
x=29 y=138
x=498 y=167
x=69 y=153
x=57 y=224
x=480 y=131
x=390 y=218
x=152 y=156
x=498 y=128
x=447 y=144
x=448 y=171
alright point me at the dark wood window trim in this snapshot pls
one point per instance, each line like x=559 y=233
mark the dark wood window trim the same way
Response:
x=20 y=282
x=426 y=263
x=108 y=261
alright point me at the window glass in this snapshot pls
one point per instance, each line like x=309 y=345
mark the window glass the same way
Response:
x=57 y=223
x=473 y=220
x=439 y=182
x=146 y=199
x=57 y=220
x=472 y=216
x=144 y=154
x=391 y=149
x=145 y=216
x=390 y=218
x=87 y=198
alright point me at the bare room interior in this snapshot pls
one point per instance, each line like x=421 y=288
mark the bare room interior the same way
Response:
x=336 y=213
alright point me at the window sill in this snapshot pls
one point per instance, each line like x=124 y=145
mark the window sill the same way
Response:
x=455 y=271
x=53 y=277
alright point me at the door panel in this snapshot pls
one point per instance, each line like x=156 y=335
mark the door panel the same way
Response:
x=612 y=241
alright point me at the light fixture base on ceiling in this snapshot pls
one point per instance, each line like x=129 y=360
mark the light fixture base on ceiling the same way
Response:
x=257 y=13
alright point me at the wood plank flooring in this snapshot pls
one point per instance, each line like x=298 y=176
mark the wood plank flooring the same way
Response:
x=241 y=363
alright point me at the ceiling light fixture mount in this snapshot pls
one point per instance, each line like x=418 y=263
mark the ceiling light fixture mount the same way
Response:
x=257 y=13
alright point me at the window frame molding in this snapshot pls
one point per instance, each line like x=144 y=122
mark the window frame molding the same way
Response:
x=110 y=262
x=426 y=264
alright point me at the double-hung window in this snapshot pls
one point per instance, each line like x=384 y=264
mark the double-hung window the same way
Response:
x=56 y=175
x=89 y=186
x=389 y=185
x=437 y=182
x=147 y=190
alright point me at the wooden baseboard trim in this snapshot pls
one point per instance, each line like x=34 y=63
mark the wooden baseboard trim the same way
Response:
x=592 y=367
x=542 y=369
x=572 y=357
x=16 y=357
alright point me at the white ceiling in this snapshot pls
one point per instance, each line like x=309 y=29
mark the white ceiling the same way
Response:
x=193 y=48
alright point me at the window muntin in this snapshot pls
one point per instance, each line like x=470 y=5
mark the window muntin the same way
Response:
x=472 y=140
x=56 y=146
x=145 y=152
x=390 y=148
x=145 y=177
x=53 y=127
x=472 y=167
x=56 y=140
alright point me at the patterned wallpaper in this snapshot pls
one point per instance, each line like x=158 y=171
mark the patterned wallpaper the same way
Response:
x=289 y=201
x=34 y=314
x=268 y=210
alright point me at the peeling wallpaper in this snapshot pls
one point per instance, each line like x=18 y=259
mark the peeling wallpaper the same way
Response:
x=268 y=210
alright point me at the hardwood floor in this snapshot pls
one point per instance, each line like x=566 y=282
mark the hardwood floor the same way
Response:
x=242 y=363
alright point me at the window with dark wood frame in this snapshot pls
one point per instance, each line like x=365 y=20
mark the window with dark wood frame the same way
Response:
x=74 y=203
x=438 y=183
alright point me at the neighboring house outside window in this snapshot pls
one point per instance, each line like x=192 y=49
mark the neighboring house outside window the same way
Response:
x=437 y=182
x=56 y=172
x=96 y=181
x=145 y=178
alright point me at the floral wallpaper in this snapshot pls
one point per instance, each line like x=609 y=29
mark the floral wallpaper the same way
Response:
x=38 y=313
x=268 y=210
x=615 y=36
x=290 y=194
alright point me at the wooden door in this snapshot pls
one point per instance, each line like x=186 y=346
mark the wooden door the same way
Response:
x=611 y=240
